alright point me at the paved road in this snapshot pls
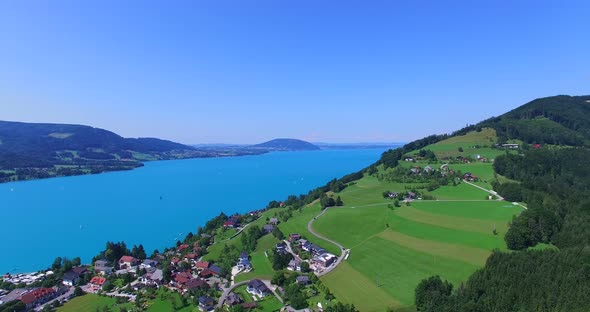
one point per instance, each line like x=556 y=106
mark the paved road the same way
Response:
x=343 y=251
x=227 y=291
x=500 y=198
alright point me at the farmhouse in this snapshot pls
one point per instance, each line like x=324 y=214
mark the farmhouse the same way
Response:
x=415 y=170
x=273 y=221
x=303 y=280
x=324 y=260
x=428 y=169
x=294 y=237
x=282 y=248
x=149 y=263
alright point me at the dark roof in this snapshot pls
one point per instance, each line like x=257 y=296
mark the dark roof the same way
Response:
x=281 y=245
x=268 y=227
x=233 y=298
x=244 y=255
x=101 y=263
x=206 y=300
x=215 y=269
x=196 y=283
x=80 y=270
x=258 y=285
x=70 y=276
x=302 y=279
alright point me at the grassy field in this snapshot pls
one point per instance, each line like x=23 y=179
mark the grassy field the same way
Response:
x=394 y=248
x=91 y=303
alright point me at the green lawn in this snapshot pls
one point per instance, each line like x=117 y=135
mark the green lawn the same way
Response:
x=262 y=268
x=461 y=191
x=499 y=211
x=90 y=303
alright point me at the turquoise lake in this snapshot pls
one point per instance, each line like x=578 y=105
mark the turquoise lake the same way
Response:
x=152 y=205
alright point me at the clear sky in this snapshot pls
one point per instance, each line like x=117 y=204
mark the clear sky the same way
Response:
x=248 y=71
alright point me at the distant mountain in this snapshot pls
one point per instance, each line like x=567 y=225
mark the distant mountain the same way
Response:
x=42 y=150
x=286 y=145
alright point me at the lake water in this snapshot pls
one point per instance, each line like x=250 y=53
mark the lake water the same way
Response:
x=153 y=205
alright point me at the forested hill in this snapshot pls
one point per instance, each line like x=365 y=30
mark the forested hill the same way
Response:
x=561 y=120
x=286 y=145
x=19 y=137
x=548 y=269
x=42 y=150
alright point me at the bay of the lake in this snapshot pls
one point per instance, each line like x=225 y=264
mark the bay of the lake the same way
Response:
x=152 y=205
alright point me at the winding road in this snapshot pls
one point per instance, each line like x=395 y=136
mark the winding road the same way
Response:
x=343 y=251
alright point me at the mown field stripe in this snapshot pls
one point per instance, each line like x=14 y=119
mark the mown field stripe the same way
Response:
x=470 y=255
x=451 y=222
x=359 y=290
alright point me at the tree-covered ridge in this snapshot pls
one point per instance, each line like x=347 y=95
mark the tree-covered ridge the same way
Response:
x=560 y=120
x=551 y=173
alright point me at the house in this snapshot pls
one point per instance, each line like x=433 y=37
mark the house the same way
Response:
x=325 y=259
x=127 y=262
x=102 y=267
x=215 y=269
x=206 y=303
x=206 y=273
x=306 y=245
x=444 y=167
x=149 y=263
x=244 y=262
x=282 y=248
x=294 y=265
x=258 y=288
x=411 y=195
x=175 y=261
x=415 y=170
x=229 y=224
x=195 y=283
x=428 y=169
x=182 y=278
x=316 y=250
x=408 y=158
x=268 y=228
x=294 y=237
x=182 y=247
x=37 y=297
x=233 y=299
x=71 y=277
x=98 y=281
x=469 y=177
x=201 y=265
x=273 y=221
x=155 y=277
x=190 y=257
x=392 y=194
x=302 y=280
x=537 y=145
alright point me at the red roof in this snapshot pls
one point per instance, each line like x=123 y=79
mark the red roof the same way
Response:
x=202 y=265
x=191 y=256
x=183 y=277
x=229 y=223
x=175 y=260
x=33 y=296
x=537 y=145
x=98 y=280
x=182 y=247
x=206 y=273
x=127 y=259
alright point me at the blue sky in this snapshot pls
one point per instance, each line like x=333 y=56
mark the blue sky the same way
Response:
x=249 y=71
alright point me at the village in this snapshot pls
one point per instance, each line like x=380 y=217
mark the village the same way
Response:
x=180 y=269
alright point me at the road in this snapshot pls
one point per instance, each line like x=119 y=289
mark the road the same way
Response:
x=500 y=198
x=227 y=291
x=66 y=295
x=343 y=251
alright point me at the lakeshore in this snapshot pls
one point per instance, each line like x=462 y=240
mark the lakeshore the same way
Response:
x=154 y=205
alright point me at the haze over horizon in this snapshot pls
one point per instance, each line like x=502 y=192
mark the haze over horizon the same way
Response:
x=232 y=72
